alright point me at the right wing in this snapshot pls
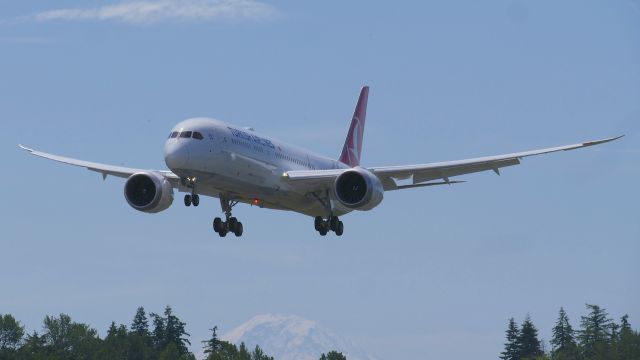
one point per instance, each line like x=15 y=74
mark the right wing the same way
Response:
x=421 y=174
x=424 y=174
x=104 y=169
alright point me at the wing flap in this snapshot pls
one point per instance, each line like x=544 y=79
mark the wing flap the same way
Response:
x=446 y=172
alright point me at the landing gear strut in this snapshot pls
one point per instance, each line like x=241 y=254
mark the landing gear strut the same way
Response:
x=333 y=223
x=231 y=224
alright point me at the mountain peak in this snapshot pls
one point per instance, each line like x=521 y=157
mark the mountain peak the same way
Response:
x=291 y=337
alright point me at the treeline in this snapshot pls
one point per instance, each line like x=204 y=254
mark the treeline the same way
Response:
x=166 y=339
x=598 y=338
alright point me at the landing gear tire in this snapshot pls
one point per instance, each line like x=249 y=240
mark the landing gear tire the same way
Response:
x=317 y=222
x=232 y=224
x=195 y=199
x=339 y=230
x=323 y=231
x=187 y=200
x=218 y=225
x=333 y=223
x=238 y=229
x=223 y=233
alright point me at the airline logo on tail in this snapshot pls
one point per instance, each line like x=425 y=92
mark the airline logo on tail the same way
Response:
x=353 y=144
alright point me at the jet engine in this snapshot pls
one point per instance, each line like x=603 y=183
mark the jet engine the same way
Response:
x=358 y=189
x=148 y=192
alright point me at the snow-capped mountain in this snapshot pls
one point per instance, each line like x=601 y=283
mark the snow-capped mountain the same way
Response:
x=290 y=337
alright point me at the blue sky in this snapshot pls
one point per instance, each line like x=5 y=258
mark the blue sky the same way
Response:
x=427 y=270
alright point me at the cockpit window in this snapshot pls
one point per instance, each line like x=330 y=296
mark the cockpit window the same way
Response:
x=197 y=135
x=185 y=134
x=174 y=134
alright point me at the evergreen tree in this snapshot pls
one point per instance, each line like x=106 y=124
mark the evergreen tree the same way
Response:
x=333 y=355
x=226 y=351
x=175 y=331
x=595 y=333
x=116 y=343
x=243 y=352
x=158 y=335
x=258 y=354
x=528 y=340
x=140 y=324
x=140 y=348
x=563 y=341
x=625 y=327
x=212 y=345
x=512 y=346
x=629 y=341
x=11 y=333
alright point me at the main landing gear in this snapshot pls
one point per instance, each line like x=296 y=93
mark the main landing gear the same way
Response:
x=231 y=224
x=333 y=223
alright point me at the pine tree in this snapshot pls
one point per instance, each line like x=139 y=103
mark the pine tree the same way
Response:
x=159 y=332
x=563 y=341
x=227 y=351
x=512 y=346
x=175 y=331
x=333 y=355
x=169 y=329
x=140 y=324
x=258 y=354
x=629 y=343
x=243 y=352
x=212 y=345
x=116 y=343
x=528 y=340
x=595 y=333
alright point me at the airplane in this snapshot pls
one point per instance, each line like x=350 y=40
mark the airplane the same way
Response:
x=238 y=165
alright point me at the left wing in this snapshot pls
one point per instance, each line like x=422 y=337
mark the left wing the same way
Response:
x=421 y=174
x=104 y=169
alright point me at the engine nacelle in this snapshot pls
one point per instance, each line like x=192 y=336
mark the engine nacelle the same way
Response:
x=148 y=192
x=358 y=189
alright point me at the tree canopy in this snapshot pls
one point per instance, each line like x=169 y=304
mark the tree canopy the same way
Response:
x=599 y=338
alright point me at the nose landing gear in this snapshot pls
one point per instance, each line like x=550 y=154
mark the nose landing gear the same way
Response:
x=191 y=199
x=231 y=224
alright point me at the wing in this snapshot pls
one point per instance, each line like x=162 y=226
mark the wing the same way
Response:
x=104 y=169
x=422 y=174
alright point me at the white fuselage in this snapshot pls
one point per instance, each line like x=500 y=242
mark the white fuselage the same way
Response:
x=242 y=165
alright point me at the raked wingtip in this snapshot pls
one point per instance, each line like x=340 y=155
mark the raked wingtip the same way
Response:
x=597 y=142
x=25 y=148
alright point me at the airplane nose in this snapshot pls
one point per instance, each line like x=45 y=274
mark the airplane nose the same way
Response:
x=176 y=153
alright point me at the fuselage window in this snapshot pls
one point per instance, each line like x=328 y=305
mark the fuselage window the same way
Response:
x=197 y=135
x=185 y=134
x=173 y=135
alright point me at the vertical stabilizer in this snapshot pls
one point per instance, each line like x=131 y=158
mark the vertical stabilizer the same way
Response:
x=353 y=144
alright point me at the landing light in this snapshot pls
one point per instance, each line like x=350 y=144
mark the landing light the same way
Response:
x=256 y=202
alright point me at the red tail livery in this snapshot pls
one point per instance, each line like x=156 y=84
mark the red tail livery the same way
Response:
x=353 y=144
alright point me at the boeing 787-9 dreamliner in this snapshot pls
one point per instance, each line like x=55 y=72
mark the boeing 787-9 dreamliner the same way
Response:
x=237 y=165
